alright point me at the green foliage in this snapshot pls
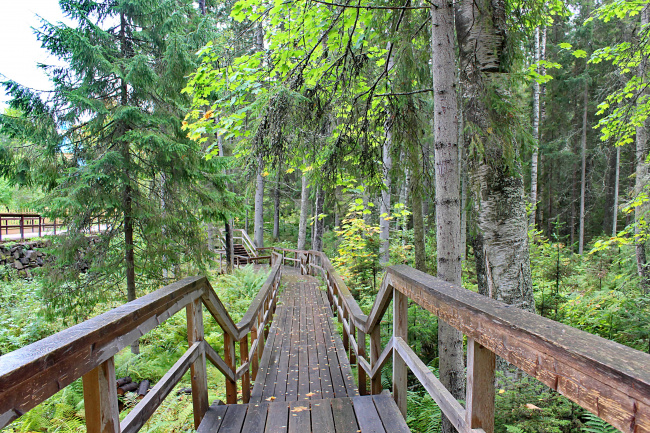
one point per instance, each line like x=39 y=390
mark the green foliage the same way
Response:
x=526 y=405
x=593 y=424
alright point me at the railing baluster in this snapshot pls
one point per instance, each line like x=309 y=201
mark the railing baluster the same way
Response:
x=400 y=329
x=100 y=399
x=246 y=378
x=255 y=360
x=361 y=343
x=198 y=370
x=229 y=357
x=480 y=386
x=375 y=351
x=353 y=331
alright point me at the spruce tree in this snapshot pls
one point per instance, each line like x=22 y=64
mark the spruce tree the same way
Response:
x=112 y=138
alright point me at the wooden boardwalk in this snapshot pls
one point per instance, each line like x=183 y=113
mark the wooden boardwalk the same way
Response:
x=304 y=382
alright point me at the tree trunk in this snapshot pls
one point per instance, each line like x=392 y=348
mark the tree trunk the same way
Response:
x=416 y=186
x=127 y=196
x=499 y=188
x=276 y=205
x=447 y=201
x=337 y=205
x=258 y=227
x=304 y=214
x=583 y=173
x=616 y=186
x=641 y=180
x=536 y=114
x=230 y=247
x=384 y=207
x=318 y=221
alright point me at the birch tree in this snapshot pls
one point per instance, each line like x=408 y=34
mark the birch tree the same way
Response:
x=497 y=182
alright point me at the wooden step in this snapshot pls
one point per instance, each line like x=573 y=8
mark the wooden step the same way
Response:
x=371 y=413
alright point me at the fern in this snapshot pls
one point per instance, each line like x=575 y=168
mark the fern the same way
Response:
x=514 y=429
x=593 y=424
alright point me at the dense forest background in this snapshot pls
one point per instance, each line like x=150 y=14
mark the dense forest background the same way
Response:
x=504 y=150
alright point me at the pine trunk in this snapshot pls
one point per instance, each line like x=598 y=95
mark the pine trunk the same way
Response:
x=447 y=201
x=258 y=223
x=583 y=173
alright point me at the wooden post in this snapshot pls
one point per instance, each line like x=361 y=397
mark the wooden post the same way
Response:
x=260 y=335
x=346 y=338
x=375 y=351
x=361 y=343
x=39 y=226
x=54 y=225
x=353 y=331
x=255 y=361
x=400 y=329
x=229 y=357
x=197 y=368
x=479 y=399
x=246 y=377
x=100 y=399
x=22 y=227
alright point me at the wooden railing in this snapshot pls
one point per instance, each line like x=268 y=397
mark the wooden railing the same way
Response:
x=608 y=379
x=30 y=375
x=21 y=224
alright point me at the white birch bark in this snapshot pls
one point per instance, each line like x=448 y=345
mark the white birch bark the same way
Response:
x=498 y=186
x=535 y=156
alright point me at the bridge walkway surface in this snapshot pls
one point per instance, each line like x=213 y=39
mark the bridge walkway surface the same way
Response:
x=305 y=382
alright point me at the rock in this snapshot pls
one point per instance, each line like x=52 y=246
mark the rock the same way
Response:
x=18 y=265
x=16 y=255
x=39 y=261
x=24 y=261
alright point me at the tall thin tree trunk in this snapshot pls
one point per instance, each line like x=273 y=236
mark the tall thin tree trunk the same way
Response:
x=583 y=173
x=536 y=115
x=404 y=198
x=318 y=222
x=447 y=201
x=258 y=227
x=642 y=177
x=416 y=186
x=276 y=204
x=616 y=186
x=337 y=204
x=384 y=207
x=304 y=213
x=127 y=196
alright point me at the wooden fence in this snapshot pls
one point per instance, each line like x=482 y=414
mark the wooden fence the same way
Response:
x=14 y=224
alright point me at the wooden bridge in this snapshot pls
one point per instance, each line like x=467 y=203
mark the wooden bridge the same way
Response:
x=297 y=375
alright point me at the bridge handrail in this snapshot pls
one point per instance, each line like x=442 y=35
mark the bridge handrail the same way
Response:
x=608 y=379
x=35 y=372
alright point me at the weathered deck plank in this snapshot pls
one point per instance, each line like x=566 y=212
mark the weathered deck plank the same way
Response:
x=304 y=382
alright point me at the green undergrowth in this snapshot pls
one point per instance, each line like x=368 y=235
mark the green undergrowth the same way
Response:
x=24 y=321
